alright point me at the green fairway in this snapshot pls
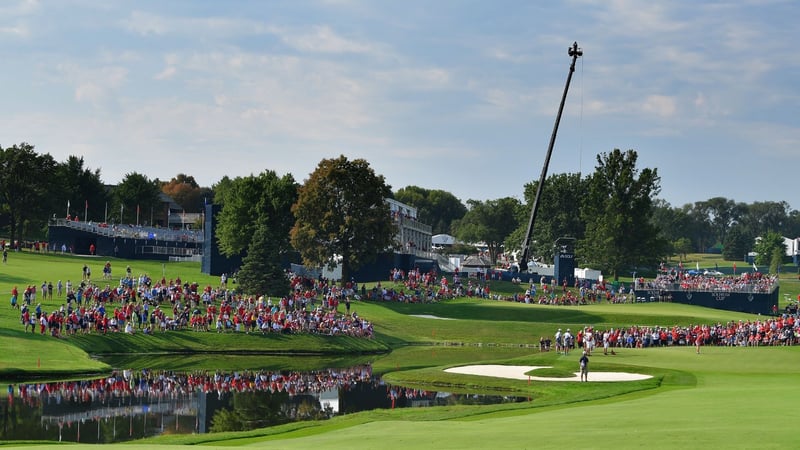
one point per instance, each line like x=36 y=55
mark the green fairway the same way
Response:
x=736 y=397
x=739 y=397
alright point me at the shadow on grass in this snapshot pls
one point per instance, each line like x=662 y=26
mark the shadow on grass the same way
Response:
x=498 y=312
x=11 y=279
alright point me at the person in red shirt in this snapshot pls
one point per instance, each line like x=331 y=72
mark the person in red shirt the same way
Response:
x=27 y=321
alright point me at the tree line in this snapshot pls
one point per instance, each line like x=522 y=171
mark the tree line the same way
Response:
x=35 y=187
x=616 y=219
x=338 y=215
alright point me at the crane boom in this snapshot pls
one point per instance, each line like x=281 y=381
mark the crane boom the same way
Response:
x=574 y=52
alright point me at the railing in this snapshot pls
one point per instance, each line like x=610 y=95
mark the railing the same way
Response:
x=413 y=224
x=131 y=231
x=193 y=258
x=172 y=251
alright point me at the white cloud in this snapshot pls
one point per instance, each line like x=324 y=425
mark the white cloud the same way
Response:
x=15 y=18
x=18 y=30
x=89 y=92
x=700 y=101
x=148 y=24
x=112 y=57
x=422 y=78
x=321 y=39
x=311 y=39
x=505 y=55
x=93 y=84
x=635 y=18
x=167 y=73
x=19 y=8
x=660 y=105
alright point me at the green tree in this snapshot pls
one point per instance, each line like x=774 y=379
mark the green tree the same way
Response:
x=736 y=244
x=136 y=193
x=26 y=180
x=702 y=231
x=490 y=221
x=618 y=213
x=793 y=224
x=436 y=208
x=342 y=213
x=248 y=202
x=558 y=215
x=776 y=260
x=220 y=190
x=674 y=225
x=722 y=214
x=681 y=247
x=766 y=246
x=762 y=217
x=261 y=272
x=82 y=187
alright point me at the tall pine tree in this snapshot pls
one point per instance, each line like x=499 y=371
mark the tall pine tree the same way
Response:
x=261 y=272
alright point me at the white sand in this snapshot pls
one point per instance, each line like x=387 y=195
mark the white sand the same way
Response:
x=428 y=316
x=518 y=373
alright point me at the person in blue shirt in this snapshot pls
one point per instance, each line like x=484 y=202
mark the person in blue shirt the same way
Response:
x=584 y=363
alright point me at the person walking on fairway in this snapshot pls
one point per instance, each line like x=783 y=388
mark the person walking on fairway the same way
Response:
x=584 y=362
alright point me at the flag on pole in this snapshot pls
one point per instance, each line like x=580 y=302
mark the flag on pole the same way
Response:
x=697 y=266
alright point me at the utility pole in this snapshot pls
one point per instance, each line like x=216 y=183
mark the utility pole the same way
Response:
x=574 y=52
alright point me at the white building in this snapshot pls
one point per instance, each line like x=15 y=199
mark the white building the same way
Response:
x=412 y=235
x=792 y=246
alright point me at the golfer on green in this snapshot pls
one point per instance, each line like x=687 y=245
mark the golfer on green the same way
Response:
x=584 y=361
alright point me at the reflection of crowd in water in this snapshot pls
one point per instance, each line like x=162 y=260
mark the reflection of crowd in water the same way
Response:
x=140 y=304
x=169 y=384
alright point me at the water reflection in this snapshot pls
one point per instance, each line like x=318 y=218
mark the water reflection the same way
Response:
x=131 y=405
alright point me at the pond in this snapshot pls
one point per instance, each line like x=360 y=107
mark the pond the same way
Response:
x=133 y=404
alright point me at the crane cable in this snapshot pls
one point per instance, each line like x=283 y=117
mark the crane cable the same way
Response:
x=580 y=129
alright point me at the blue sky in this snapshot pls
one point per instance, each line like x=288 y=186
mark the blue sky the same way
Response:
x=452 y=95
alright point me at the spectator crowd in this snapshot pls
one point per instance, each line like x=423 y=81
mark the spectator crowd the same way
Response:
x=141 y=304
x=754 y=282
x=774 y=331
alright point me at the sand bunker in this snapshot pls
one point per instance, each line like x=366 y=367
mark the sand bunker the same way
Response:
x=428 y=316
x=518 y=373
